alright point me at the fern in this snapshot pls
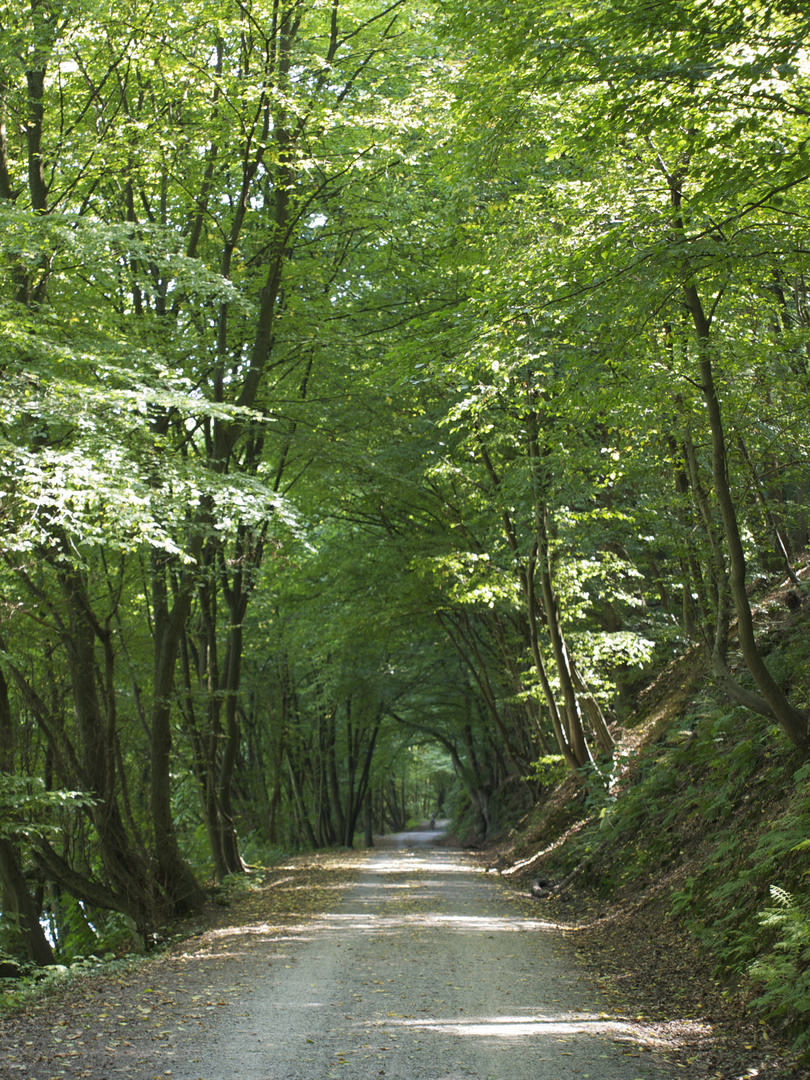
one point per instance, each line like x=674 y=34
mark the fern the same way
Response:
x=784 y=972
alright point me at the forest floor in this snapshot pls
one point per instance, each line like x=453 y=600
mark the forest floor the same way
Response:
x=633 y=953
x=82 y=1022
x=637 y=954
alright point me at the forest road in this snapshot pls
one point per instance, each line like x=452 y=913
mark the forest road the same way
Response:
x=426 y=970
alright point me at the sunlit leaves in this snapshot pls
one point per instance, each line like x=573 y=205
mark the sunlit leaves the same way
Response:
x=29 y=812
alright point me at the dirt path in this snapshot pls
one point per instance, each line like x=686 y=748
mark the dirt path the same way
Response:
x=425 y=970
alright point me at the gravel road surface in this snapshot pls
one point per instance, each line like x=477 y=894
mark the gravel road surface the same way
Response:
x=425 y=971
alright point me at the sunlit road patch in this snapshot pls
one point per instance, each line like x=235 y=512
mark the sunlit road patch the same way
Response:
x=425 y=970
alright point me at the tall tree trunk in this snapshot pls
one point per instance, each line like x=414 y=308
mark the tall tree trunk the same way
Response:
x=17 y=903
x=771 y=700
x=237 y=606
x=566 y=721
x=360 y=791
x=19 y=907
x=176 y=876
x=795 y=722
x=368 y=820
x=305 y=826
x=96 y=721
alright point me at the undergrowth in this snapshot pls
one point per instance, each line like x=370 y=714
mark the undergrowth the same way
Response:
x=718 y=804
x=724 y=798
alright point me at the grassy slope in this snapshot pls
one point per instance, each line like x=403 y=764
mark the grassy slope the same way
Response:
x=688 y=881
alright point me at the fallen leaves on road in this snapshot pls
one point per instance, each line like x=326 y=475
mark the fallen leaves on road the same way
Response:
x=163 y=1000
x=637 y=954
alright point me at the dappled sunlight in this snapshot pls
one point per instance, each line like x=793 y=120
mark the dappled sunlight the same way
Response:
x=306 y=887
x=410 y=894
x=346 y=859
x=225 y=941
x=558 y=1025
x=402 y=863
x=376 y=940
x=422 y=885
x=537 y=856
x=512 y=1027
x=254 y=929
x=261 y=886
x=343 y=922
x=387 y=924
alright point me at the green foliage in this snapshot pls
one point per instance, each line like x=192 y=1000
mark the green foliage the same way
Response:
x=29 y=812
x=460 y=811
x=318 y=372
x=17 y=994
x=548 y=770
x=782 y=972
x=80 y=932
x=715 y=774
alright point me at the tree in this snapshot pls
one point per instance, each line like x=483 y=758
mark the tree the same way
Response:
x=662 y=206
x=167 y=258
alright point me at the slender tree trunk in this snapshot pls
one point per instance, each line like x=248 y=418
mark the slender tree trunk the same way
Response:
x=780 y=548
x=127 y=873
x=360 y=797
x=17 y=902
x=176 y=876
x=566 y=721
x=771 y=699
x=303 y=820
x=368 y=820
x=237 y=605
x=604 y=740
x=575 y=734
x=466 y=642
x=795 y=722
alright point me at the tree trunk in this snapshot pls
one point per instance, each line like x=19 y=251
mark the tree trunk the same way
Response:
x=359 y=798
x=96 y=721
x=604 y=740
x=795 y=722
x=368 y=819
x=575 y=742
x=305 y=826
x=176 y=877
x=237 y=605
x=17 y=903
x=19 y=908
x=565 y=721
